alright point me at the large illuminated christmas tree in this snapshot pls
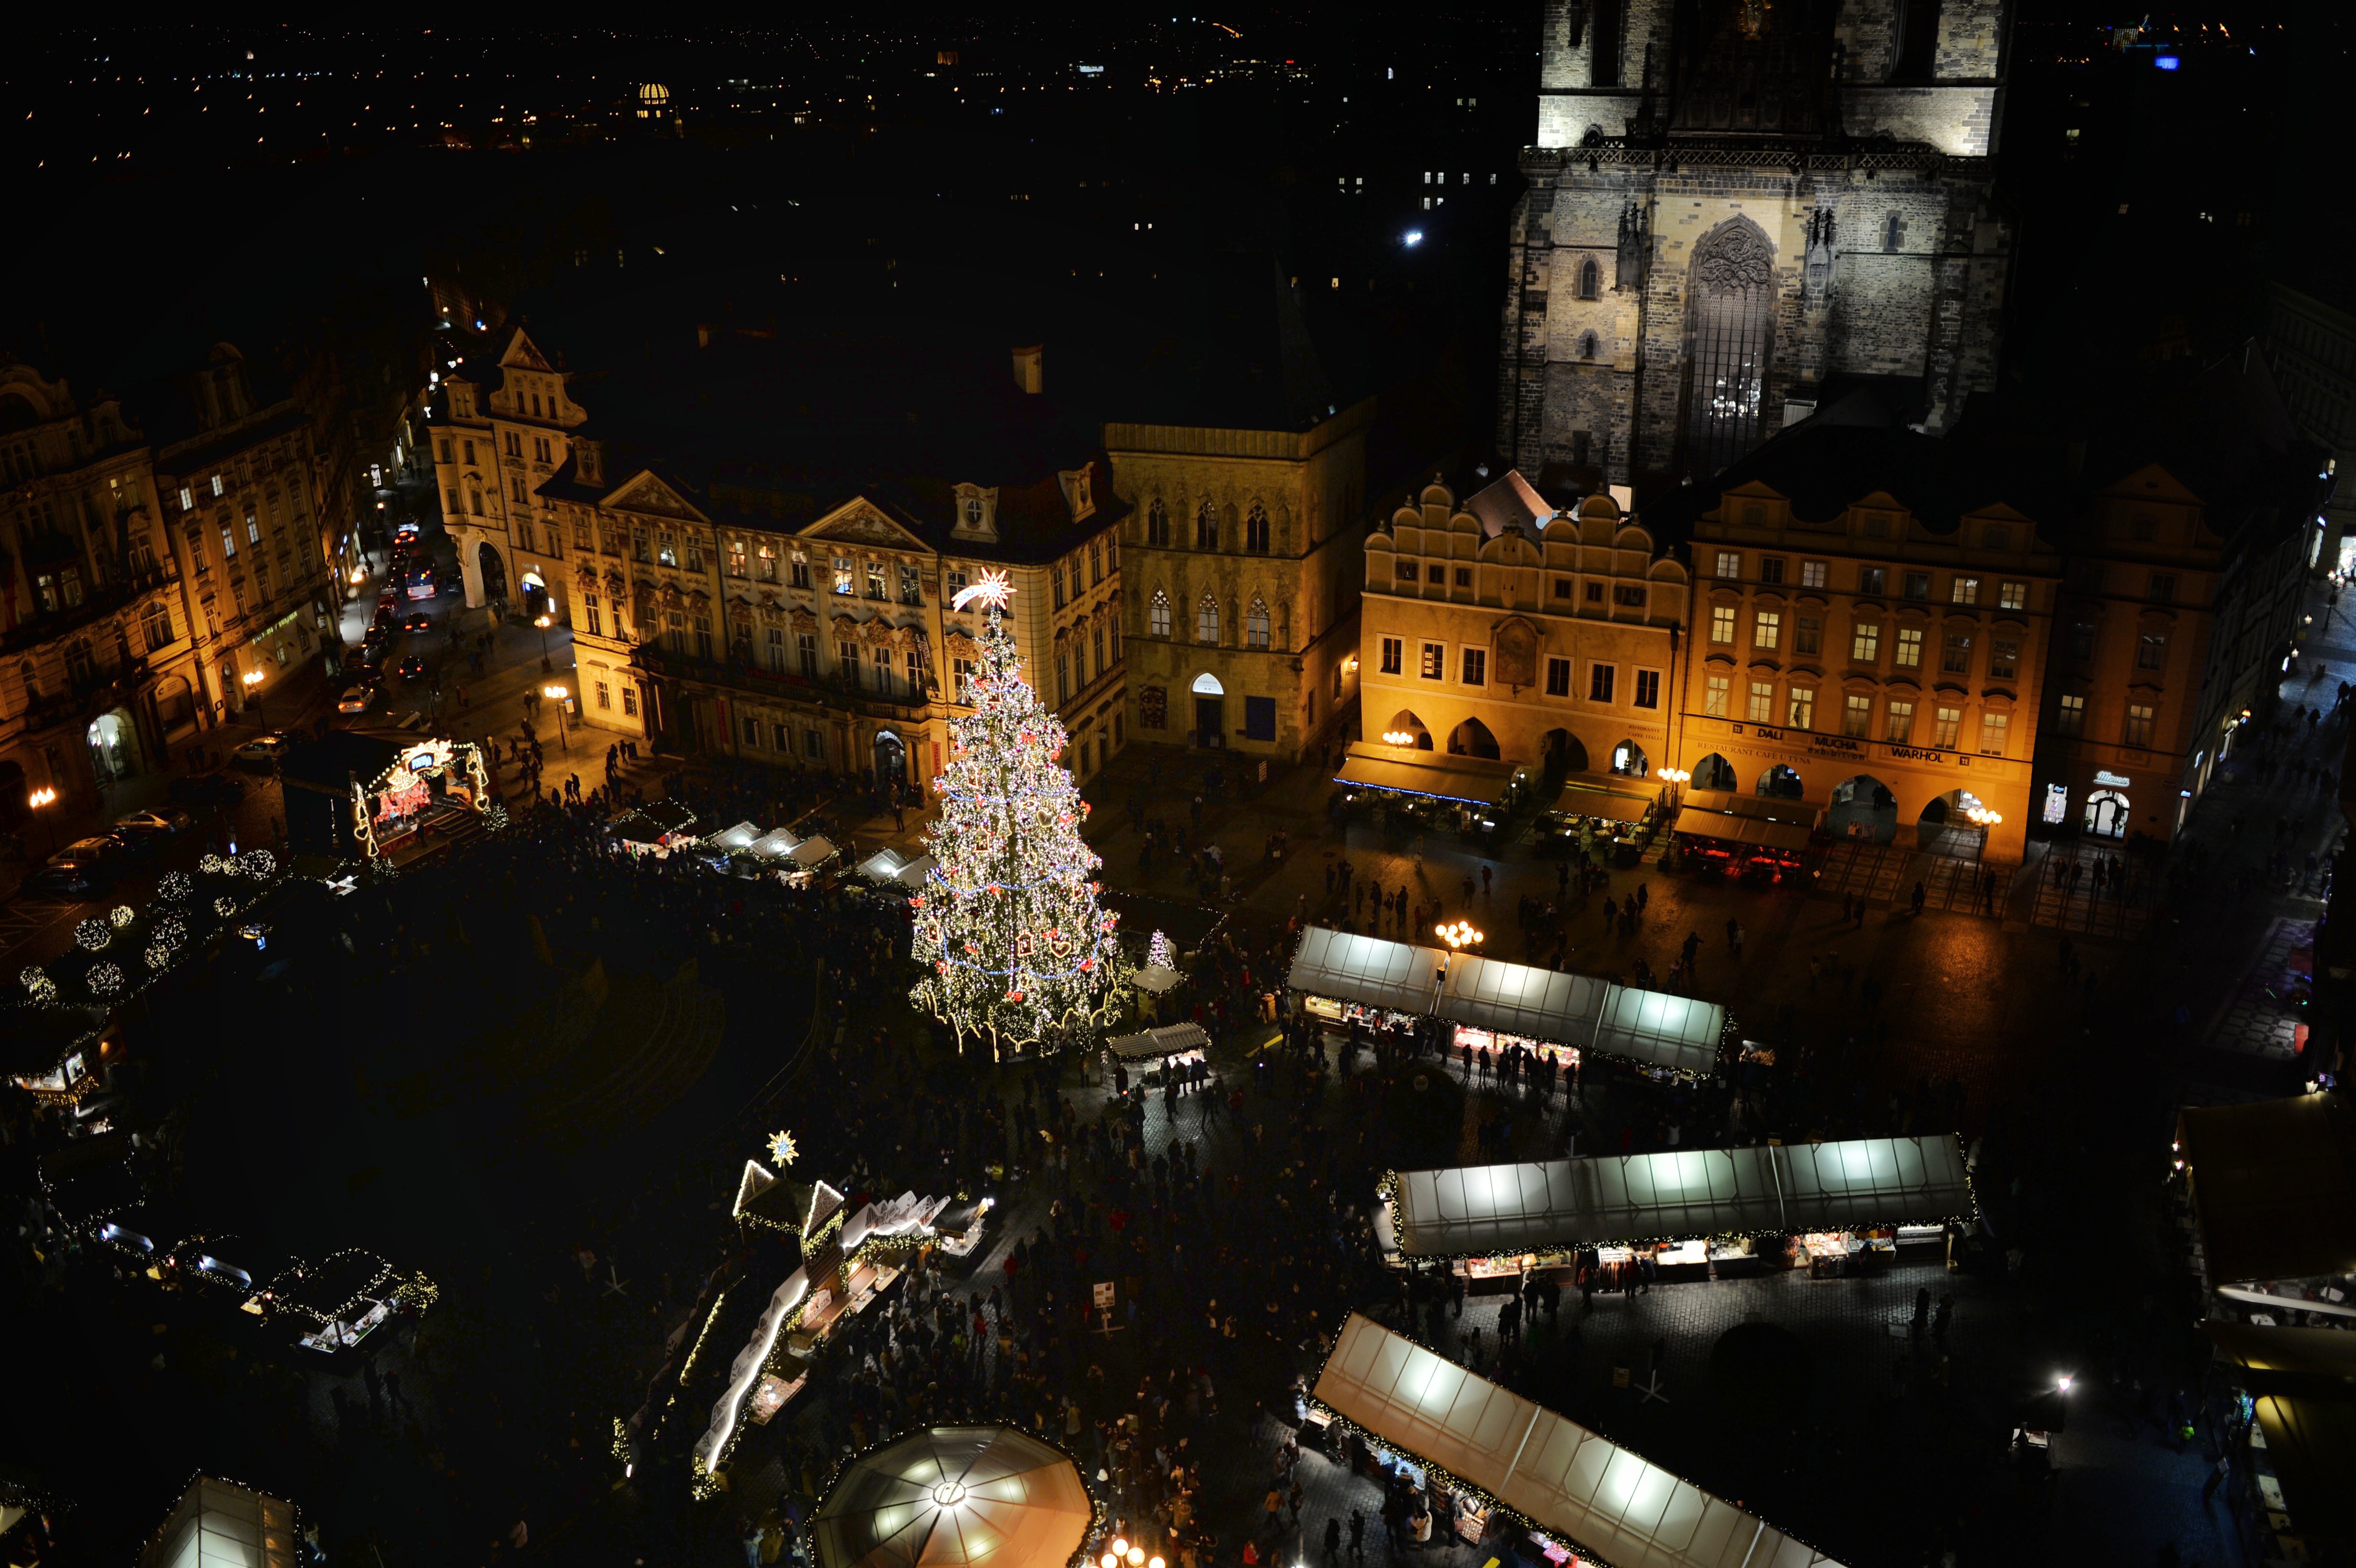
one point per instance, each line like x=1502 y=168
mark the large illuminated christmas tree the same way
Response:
x=1008 y=921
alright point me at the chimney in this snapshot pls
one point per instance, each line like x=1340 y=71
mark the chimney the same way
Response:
x=1030 y=368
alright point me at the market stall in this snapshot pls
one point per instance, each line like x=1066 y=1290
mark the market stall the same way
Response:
x=1412 y=791
x=1590 y=819
x=1742 y=844
x=2273 y=1186
x=1551 y=1206
x=889 y=867
x=434 y=792
x=2298 y=1389
x=656 y=829
x=342 y=1301
x=1343 y=978
x=1605 y=1503
x=1180 y=1045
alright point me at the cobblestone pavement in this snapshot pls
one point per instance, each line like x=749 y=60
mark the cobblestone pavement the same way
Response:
x=2258 y=1018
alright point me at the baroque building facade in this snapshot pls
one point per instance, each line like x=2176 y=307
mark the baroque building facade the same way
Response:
x=1877 y=655
x=1243 y=579
x=1730 y=204
x=164 y=565
x=497 y=438
x=1510 y=630
x=705 y=617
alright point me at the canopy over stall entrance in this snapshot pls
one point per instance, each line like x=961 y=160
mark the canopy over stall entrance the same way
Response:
x=2300 y=1382
x=2274 y=1187
x=1365 y=969
x=1475 y=781
x=1599 y=1497
x=1169 y=1040
x=1488 y=1211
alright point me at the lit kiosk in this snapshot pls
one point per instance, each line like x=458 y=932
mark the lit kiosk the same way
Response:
x=955 y=1496
x=365 y=798
x=219 y=1524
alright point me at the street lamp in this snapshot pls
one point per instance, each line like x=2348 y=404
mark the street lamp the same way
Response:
x=556 y=694
x=1674 y=778
x=1460 y=935
x=1399 y=737
x=252 y=679
x=544 y=622
x=40 y=800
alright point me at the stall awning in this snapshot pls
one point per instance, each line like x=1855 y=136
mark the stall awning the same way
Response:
x=1169 y=1040
x=775 y=845
x=1731 y=828
x=1364 y=969
x=740 y=837
x=1600 y=1498
x=1515 y=998
x=2274 y=1187
x=1580 y=800
x=1494 y=1209
x=1476 y=781
x=1772 y=808
x=811 y=852
x=2311 y=1443
x=887 y=866
x=1654 y=1026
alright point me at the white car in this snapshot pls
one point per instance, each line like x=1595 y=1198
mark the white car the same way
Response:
x=359 y=699
x=168 y=820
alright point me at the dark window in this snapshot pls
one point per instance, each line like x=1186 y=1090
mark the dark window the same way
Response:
x=1408 y=572
x=1591 y=281
x=1629 y=594
x=2151 y=650
x=1771 y=569
x=1648 y=689
x=1558 y=678
x=2163 y=588
x=1600 y=680
x=1870 y=579
x=1463 y=577
x=2082 y=640
x=1562 y=587
x=1918 y=585
x=1260 y=717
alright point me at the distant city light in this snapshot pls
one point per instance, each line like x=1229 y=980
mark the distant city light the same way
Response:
x=1413 y=237
x=2166 y=62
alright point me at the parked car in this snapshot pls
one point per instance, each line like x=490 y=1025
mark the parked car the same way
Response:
x=165 y=821
x=367 y=668
x=92 y=857
x=209 y=789
x=59 y=881
x=134 y=846
x=358 y=699
x=263 y=751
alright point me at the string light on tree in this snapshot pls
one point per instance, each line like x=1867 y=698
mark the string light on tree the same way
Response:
x=1008 y=922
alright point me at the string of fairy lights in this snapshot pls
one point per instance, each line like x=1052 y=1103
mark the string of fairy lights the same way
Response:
x=1009 y=921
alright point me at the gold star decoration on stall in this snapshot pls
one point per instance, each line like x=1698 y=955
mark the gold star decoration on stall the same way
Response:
x=781 y=1148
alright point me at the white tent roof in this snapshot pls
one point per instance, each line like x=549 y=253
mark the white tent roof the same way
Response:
x=776 y=844
x=950 y=1496
x=1666 y=1030
x=1491 y=1209
x=740 y=837
x=1515 y=999
x=1366 y=969
x=1599 y=1498
x=811 y=852
x=884 y=865
x=1154 y=977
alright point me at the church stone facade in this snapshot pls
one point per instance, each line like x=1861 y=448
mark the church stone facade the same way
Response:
x=1733 y=202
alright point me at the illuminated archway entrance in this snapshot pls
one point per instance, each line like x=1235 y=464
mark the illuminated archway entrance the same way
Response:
x=1714 y=772
x=2106 y=814
x=1863 y=808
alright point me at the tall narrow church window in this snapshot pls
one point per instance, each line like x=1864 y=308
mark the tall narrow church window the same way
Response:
x=1158 y=614
x=1586 y=340
x=1605 y=63
x=1893 y=233
x=1256 y=624
x=1206 y=528
x=1256 y=529
x=1157 y=523
x=1591 y=278
x=1733 y=310
x=1207 y=620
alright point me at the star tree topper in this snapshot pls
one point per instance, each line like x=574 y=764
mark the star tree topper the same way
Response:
x=781 y=1148
x=990 y=590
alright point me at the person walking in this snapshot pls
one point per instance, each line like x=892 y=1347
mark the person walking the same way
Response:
x=1357 y=1535
x=1332 y=1538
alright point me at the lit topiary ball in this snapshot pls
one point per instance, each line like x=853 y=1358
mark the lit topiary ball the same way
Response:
x=174 y=885
x=38 y=983
x=224 y=906
x=93 y=934
x=158 y=956
x=171 y=933
x=105 y=979
x=258 y=864
x=122 y=915
x=212 y=866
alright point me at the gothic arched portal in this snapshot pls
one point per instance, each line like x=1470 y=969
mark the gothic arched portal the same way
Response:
x=1731 y=330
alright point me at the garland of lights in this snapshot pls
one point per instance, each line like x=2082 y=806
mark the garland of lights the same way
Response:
x=1008 y=921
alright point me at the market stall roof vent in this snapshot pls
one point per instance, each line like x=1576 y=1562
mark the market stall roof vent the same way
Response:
x=1603 y=1500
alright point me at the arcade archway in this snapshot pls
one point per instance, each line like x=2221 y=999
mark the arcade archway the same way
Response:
x=1863 y=808
x=1955 y=824
x=1565 y=754
x=1406 y=730
x=1714 y=772
x=1629 y=762
x=494 y=571
x=1472 y=739
x=1780 y=782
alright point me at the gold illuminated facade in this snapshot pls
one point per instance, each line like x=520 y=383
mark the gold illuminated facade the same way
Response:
x=1505 y=629
x=1884 y=667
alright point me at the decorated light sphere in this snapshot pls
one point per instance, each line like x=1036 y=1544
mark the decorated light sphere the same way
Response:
x=173 y=886
x=257 y=863
x=224 y=906
x=158 y=956
x=38 y=983
x=122 y=915
x=105 y=979
x=93 y=934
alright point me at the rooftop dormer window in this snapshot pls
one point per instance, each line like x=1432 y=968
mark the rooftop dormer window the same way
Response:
x=975 y=512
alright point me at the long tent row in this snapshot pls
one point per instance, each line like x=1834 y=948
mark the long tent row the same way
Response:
x=1600 y=1499
x=1342 y=975
x=1487 y=1210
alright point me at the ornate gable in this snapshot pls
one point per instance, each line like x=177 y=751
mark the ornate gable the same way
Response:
x=648 y=494
x=522 y=354
x=861 y=521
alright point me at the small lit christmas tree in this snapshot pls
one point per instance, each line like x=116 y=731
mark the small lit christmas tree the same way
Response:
x=1008 y=922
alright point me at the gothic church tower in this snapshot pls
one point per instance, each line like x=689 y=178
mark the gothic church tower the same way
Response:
x=1732 y=200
